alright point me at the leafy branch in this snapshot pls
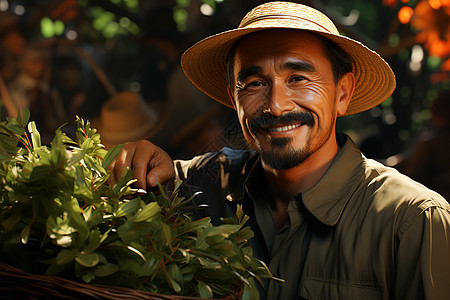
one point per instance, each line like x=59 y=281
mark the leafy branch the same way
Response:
x=59 y=216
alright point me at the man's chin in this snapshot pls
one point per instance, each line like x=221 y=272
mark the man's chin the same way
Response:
x=283 y=159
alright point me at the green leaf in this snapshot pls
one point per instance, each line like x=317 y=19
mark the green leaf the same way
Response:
x=35 y=136
x=126 y=208
x=148 y=213
x=167 y=234
x=58 y=151
x=88 y=260
x=66 y=256
x=25 y=234
x=79 y=224
x=8 y=144
x=76 y=157
x=173 y=283
x=111 y=155
x=15 y=128
x=94 y=241
x=106 y=269
x=126 y=177
x=175 y=274
x=26 y=117
x=19 y=119
x=204 y=290
x=223 y=231
x=88 y=277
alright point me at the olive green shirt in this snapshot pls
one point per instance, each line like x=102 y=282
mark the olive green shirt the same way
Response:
x=364 y=231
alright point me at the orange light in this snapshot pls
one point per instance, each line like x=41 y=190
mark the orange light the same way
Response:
x=445 y=66
x=439 y=48
x=435 y=4
x=404 y=14
x=405 y=1
x=390 y=3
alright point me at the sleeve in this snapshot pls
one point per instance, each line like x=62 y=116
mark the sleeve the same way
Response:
x=423 y=256
x=206 y=177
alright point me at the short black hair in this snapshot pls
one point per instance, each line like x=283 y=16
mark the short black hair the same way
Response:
x=341 y=61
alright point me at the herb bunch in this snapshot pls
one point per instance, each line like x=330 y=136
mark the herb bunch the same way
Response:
x=59 y=216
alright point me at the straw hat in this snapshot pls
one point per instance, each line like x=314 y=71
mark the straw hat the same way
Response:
x=205 y=63
x=125 y=117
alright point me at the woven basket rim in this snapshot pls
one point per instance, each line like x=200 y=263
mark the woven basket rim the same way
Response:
x=15 y=280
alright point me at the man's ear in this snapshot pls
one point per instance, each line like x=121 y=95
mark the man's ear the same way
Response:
x=231 y=96
x=344 y=92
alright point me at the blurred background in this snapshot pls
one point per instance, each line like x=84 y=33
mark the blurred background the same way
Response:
x=116 y=63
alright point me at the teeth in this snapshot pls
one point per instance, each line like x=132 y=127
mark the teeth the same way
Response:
x=284 y=128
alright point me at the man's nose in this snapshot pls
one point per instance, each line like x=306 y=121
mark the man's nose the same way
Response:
x=279 y=100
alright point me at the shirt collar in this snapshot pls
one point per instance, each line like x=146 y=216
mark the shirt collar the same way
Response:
x=327 y=198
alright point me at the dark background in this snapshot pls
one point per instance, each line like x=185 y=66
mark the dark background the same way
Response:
x=137 y=44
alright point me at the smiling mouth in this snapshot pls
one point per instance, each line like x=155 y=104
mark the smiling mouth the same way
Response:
x=282 y=128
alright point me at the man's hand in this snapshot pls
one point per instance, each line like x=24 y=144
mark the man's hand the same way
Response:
x=149 y=163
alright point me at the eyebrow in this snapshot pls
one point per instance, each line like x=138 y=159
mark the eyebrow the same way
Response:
x=247 y=72
x=290 y=65
x=299 y=65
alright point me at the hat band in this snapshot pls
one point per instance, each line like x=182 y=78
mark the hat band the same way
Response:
x=280 y=16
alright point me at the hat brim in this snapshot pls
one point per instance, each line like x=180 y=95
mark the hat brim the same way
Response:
x=205 y=64
x=147 y=130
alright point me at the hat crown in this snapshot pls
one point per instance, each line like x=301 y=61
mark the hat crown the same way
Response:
x=297 y=15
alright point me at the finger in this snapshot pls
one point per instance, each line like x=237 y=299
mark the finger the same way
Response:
x=112 y=178
x=140 y=162
x=122 y=162
x=161 y=168
x=151 y=162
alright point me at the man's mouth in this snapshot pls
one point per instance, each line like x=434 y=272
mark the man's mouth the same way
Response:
x=281 y=124
x=282 y=127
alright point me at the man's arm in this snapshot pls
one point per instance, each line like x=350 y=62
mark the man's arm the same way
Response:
x=423 y=256
x=149 y=163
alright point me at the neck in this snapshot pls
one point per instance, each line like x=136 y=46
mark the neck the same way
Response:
x=284 y=184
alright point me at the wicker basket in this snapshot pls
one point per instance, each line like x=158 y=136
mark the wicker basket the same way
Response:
x=17 y=284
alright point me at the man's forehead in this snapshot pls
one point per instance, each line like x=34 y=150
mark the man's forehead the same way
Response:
x=279 y=43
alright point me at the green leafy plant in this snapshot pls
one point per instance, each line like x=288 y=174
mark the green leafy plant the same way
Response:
x=59 y=216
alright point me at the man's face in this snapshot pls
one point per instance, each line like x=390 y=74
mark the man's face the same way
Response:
x=285 y=96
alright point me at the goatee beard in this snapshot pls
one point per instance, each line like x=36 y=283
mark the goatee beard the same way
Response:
x=282 y=155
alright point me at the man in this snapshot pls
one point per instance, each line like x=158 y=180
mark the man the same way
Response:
x=332 y=223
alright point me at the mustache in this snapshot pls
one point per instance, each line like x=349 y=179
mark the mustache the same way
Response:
x=264 y=121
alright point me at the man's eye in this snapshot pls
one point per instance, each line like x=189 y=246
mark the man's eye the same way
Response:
x=255 y=84
x=297 y=78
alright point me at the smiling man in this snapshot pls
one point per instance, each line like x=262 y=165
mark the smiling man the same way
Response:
x=332 y=223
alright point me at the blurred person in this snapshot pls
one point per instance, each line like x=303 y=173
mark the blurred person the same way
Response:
x=31 y=90
x=12 y=46
x=68 y=81
x=429 y=161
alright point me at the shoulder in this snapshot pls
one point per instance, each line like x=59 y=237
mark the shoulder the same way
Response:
x=224 y=157
x=400 y=196
x=388 y=182
x=214 y=164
